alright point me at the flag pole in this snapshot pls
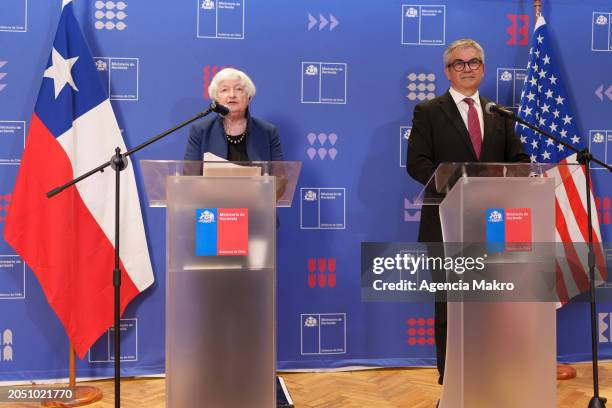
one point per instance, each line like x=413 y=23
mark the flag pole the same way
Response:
x=83 y=394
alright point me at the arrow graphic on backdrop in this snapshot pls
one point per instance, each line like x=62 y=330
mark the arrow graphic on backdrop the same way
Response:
x=332 y=22
x=311 y=21
x=600 y=92
x=2 y=75
x=322 y=22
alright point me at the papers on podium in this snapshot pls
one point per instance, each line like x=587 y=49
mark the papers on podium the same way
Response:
x=215 y=166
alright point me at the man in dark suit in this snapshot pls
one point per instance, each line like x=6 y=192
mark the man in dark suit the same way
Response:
x=454 y=128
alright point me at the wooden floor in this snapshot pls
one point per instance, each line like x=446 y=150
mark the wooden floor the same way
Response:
x=387 y=388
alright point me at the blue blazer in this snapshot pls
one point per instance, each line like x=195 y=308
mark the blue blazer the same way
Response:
x=263 y=142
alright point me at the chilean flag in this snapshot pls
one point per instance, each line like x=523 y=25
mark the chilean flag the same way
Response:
x=68 y=240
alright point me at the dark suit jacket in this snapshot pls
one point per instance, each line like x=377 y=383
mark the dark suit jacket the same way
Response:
x=439 y=135
x=263 y=142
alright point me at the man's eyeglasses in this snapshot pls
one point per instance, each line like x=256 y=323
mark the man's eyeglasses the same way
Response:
x=459 y=65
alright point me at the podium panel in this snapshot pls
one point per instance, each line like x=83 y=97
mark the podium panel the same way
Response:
x=501 y=353
x=220 y=310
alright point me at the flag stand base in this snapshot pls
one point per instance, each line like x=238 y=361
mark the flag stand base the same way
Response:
x=565 y=372
x=83 y=395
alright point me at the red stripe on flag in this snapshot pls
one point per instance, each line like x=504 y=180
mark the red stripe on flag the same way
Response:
x=573 y=260
x=61 y=241
x=580 y=214
x=575 y=203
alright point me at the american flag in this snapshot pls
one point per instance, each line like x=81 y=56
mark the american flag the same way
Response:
x=545 y=104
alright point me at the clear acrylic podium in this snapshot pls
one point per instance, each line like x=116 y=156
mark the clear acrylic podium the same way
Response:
x=499 y=353
x=220 y=310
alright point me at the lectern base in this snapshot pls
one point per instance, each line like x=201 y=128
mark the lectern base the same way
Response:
x=283 y=399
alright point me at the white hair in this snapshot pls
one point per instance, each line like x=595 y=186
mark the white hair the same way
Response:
x=461 y=44
x=231 y=74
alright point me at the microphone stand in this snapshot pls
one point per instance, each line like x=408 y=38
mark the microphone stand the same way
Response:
x=118 y=162
x=584 y=157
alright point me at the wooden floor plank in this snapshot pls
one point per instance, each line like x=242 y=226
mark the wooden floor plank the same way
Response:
x=384 y=388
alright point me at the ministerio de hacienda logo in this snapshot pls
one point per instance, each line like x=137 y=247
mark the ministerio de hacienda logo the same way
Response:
x=206 y=217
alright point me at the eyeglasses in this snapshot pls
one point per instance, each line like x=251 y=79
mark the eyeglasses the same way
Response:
x=459 y=65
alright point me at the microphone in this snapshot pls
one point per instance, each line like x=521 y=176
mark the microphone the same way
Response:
x=500 y=110
x=218 y=108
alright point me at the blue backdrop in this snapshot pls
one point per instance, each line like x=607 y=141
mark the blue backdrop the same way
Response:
x=340 y=80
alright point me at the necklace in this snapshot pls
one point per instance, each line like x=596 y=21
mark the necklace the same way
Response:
x=235 y=139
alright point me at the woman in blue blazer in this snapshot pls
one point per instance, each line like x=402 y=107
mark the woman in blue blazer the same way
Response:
x=236 y=136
